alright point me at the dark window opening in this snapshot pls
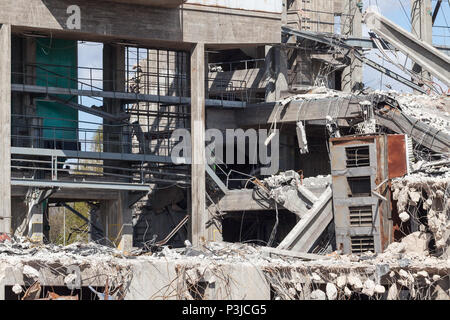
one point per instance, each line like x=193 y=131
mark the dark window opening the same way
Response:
x=359 y=186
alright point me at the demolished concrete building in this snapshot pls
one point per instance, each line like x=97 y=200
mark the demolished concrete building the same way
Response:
x=356 y=205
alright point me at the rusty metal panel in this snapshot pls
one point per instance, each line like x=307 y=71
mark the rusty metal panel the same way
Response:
x=397 y=155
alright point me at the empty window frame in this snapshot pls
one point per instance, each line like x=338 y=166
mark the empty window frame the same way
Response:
x=360 y=216
x=362 y=244
x=357 y=157
x=359 y=186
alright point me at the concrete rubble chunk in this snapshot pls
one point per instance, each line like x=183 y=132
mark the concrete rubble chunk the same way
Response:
x=331 y=291
x=380 y=289
x=423 y=273
x=341 y=281
x=17 y=289
x=347 y=292
x=392 y=292
x=31 y=272
x=369 y=287
x=355 y=282
x=318 y=295
x=315 y=277
x=403 y=216
x=69 y=278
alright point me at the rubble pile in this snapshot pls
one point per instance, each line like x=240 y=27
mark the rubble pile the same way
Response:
x=397 y=273
x=383 y=276
x=430 y=190
x=432 y=110
x=293 y=192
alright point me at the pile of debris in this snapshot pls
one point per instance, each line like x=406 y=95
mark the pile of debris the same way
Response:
x=291 y=191
x=432 y=110
x=401 y=272
x=428 y=190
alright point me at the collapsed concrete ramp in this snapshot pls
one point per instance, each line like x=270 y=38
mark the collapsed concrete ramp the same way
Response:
x=422 y=133
x=311 y=226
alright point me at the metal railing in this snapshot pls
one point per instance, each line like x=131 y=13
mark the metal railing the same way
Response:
x=69 y=134
x=133 y=81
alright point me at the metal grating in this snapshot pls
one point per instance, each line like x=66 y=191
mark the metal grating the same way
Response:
x=360 y=216
x=357 y=157
x=362 y=244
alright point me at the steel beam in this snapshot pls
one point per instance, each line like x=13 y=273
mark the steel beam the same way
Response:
x=79 y=185
x=325 y=39
x=98 y=155
x=75 y=212
x=126 y=96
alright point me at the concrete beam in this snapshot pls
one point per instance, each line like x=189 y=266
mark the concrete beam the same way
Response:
x=5 y=128
x=198 y=166
x=317 y=109
x=245 y=200
x=105 y=21
x=153 y=3
x=424 y=54
x=310 y=227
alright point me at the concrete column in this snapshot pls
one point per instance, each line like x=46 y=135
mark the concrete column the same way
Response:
x=351 y=25
x=36 y=224
x=5 y=128
x=116 y=218
x=198 y=166
x=126 y=217
x=422 y=28
x=276 y=66
x=113 y=80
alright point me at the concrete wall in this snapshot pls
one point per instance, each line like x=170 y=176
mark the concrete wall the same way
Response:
x=102 y=21
x=168 y=280
x=253 y=5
